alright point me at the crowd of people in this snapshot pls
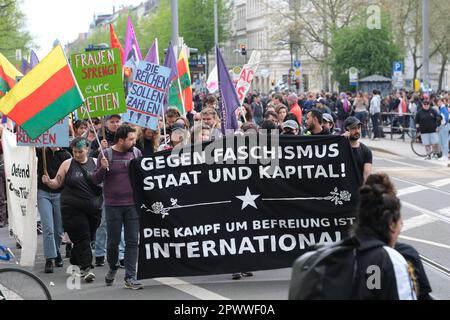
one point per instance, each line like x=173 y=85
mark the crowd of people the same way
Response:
x=81 y=205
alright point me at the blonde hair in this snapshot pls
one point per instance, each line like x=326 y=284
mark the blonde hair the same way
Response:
x=212 y=112
x=156 y=137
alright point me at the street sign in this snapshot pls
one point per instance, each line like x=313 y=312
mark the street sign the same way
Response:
x=297 y=64
x=353 y=76
x=397 y=67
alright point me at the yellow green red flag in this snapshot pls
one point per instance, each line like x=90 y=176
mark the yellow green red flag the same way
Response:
x=8 y=74
x=44 y=96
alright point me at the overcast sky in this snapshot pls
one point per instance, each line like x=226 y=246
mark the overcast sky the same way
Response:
x=48 y=20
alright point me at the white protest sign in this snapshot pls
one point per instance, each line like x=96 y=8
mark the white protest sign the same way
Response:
x=212 y=84
x=247 y=74
x=21 y=188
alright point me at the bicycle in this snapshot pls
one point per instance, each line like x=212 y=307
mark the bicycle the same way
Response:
x=18 y=284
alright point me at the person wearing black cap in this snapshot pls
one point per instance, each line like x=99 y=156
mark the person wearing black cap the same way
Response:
x=361 y=152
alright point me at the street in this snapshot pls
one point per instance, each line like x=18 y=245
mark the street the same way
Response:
x=423 y=186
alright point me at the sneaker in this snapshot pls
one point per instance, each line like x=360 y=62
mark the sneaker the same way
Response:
x=48 y=266
x=99 y=261
x=59 y=261
x=236 y=276
x=428 y=157
x=110 y=277
x=88 y=275
x=122 y=263
x=39 y=228
x=247 y=274
x=133 y=284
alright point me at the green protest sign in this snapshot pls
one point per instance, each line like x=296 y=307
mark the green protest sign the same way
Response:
x=99 y=76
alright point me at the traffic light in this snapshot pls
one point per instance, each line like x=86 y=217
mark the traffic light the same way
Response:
x=243 y=49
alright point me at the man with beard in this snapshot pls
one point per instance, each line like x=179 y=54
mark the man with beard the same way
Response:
x=120 y=207
x=361 y=152
x=314 y=121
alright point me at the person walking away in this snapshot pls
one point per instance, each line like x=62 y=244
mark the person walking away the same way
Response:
x=120 y=209
x=49 y=206
x=295 y=108
x=375 y=111
x=81 y=204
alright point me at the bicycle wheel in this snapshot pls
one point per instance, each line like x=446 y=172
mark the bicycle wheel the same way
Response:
x=18 y=284
x=417 y=146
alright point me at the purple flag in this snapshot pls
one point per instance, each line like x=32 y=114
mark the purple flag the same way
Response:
x=171 y=62
x=152 y=55
x=229 y=100
x=25 y=67
x=131 y=44
x=33 y=59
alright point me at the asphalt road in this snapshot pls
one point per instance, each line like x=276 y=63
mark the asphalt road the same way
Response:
x=423 y=186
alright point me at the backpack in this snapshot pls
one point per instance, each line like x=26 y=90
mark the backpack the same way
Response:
x=327 y=273
x=109 y=156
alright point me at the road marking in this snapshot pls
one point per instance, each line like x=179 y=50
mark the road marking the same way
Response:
x=445 y=211
x=413 y=189
x=402 y=163
x=441 y=245
x=191 y=289
x=417 y=221
x=440 y=183
x=425 y=211
x=9 y=294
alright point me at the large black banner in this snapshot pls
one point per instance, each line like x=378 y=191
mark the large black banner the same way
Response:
x=242 y=203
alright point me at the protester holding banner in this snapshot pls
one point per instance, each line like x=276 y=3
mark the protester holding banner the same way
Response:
x=81 y=204
x=211 y=119
x=148 y=141
x=48 y=201
x=120 y=207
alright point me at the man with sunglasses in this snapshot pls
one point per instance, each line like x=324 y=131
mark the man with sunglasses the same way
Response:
x=427 y=122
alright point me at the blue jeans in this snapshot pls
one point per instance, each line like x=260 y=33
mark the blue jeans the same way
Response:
x=443 y=139
x=52 y=230
x=100 y=239
x=116 y=217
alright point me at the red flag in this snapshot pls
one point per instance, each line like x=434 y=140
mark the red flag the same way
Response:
x=115 y=43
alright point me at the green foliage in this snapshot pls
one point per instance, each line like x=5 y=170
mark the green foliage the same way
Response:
x=371 y=51
x=12 y=33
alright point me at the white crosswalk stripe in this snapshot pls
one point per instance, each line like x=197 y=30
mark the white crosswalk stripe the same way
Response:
x=440 y=183
x=417 y=221
x=445 y=211
x=410 y=190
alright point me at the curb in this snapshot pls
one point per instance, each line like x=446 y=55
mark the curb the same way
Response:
x=383 y=150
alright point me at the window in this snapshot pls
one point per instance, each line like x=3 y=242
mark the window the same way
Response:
x=241 y=18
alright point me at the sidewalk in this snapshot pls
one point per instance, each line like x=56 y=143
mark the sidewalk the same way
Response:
x=396 y=147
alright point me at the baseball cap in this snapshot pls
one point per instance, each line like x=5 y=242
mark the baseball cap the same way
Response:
x=351 y=122
x=177 y=126
x=290 y=124
x=327 y=117
x=112 y=116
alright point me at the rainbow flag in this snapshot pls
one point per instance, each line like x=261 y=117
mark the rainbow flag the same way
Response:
x=8 y=74
x=44 y=96
x=177 y=98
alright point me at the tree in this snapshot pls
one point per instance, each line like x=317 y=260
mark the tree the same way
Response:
x=12 y=33
x=310 y=23
x=196 y=24
x=371 y=51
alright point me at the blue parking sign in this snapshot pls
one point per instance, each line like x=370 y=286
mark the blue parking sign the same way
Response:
x=397 y=66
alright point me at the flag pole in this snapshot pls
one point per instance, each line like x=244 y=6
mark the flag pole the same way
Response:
x=157 y=48
x=96 y=135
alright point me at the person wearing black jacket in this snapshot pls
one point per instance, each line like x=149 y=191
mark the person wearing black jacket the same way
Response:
x=383 y=273
x=48 y=201
x=427 y=123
